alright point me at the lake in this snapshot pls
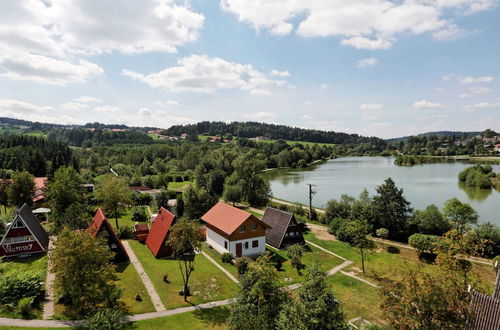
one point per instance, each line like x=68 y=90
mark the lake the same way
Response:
x=422 y=184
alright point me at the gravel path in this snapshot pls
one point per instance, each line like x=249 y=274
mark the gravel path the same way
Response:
x=48 y=305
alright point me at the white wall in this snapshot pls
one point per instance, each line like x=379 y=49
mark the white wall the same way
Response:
x=217 y=242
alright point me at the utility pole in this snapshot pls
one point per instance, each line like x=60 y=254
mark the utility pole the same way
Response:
x=312 y=192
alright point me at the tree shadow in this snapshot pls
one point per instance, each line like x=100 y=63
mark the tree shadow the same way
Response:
x=213 y=316
x=393 y=249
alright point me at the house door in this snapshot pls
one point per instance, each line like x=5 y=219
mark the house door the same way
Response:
x=238 y=249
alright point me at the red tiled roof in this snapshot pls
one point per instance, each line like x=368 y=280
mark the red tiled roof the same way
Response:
x=159 y=230
x=96 y=224
x=95 y=227
x=225 y=217
x=40 y=183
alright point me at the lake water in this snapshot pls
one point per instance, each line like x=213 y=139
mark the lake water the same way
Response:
x=422 y=184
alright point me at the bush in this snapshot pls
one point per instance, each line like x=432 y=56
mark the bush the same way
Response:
x=178 y=178
x=278 y=263
x=106 y=319
x=125 y=232
x=138 y=297
x=139 y=215
x=141 y=199
x=382 y=233
x=19 y=285
x=24 y=307
x=283 y=207
x=335 y=225
x=424 y=243
x=242 y=264
x=227 y=258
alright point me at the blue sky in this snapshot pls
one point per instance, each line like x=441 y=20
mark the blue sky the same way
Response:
x=373 y=67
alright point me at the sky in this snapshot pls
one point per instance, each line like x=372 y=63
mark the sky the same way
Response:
x=381 y=68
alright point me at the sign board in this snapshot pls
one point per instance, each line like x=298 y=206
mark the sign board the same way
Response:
x=19 y=248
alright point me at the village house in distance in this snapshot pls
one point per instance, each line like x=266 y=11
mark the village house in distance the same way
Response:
x=232 y=230
x=100 y=227
x=24 y=236
x=283 y=228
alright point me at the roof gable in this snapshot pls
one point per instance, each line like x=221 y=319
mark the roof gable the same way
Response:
x=279 y=221
x=159 y=230
x=226 y=218
x=101 y=223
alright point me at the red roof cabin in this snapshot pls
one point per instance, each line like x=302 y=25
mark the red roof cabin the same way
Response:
x=141 y=231
x=232 y=230
x=100 y=227
x=159 y=234
x=25 y=236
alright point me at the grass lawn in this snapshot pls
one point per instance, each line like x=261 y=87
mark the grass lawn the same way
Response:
x=207 y=282
x=213 y=319
x=178 y=185
x=125 y=218
x=37 y=264
x=131 y=283
x=218 y=258
x=382 y=265
x=357 y=298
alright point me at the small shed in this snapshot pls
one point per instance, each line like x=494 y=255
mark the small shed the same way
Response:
x=25 y=236
x=100 y=227
x=141 y=231
x=159 y=234
x=284 y=228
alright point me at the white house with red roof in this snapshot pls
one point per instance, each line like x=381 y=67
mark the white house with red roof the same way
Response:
x=232 y=230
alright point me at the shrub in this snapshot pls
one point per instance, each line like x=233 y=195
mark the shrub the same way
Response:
x=283 y=207
x=138 y=297
x=382 y=233
x=106 y=319
x=24 y=307
x=141 y=199
x=278 y=263
x=139 y=215
x=227 y=258
x=21 y=284
x=423 y=243
x=125 y=232
x=242 y=264
x=335 y=225
x=178 y=178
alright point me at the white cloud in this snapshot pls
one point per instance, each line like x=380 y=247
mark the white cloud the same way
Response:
x=371 y=61
x=167 y=102
x=371 y=106
x=260 y=116
x=364 y=24
x=41 y=40
x=108 y=109
x=472 y=80
x=88 y=99
x=324 y=86
x=28 y=111
x=145 y=112
x=23 y=107
x=370 y=117
x=473 y=91
x=200 y=73
x=482 y=105
x=277 y=73
x=309 y=103
x=427 y=105
x=74 y=106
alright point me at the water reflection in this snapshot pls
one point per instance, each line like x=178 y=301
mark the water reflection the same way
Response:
x=475 y=193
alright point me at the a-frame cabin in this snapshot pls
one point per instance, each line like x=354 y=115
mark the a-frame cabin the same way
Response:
x=25 y=235
x=100 y=227
x=159 y=234
x=284 y=228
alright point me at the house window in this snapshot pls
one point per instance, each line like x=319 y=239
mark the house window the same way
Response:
x=18 y=224
x=254 y=226
x=242 y=229
x=225 y=245
x=18 y=239
x=255 y=244
x=246 y=245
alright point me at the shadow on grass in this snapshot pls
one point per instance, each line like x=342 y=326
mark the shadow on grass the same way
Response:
x=393 y=249
x=213 y=316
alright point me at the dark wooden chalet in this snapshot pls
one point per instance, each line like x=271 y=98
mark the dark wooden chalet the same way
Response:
x=100 y=227
x=486 y=308
x=25 y=236
x=284 y=228
x=159 y=234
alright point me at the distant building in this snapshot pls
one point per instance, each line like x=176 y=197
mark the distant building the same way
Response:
x=184 y=136
x=497 y=147
x=100 y=227
x=261 y=138
x=283 y=228
x=159 y=234
x=232 y=230
x=25 y=236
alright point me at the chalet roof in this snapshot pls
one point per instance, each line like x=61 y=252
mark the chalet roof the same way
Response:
x=159 y=230
x=99 y=223
x=278 y=221
x=226 y=217
x=99 y=219
x=486 y=310
x=34 y=225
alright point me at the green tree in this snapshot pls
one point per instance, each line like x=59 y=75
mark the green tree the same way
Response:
x=93 y=162
x=84 y=276
x=490 y=233
x=197 y=202
x=424 y=243
x=232 y=193
x=430 y=221
x=21 y=189
x=356 y=233
x=315 y=307
x=459 y=214
x=390 y=209
x=113 y=194
x=254 y=189
x=295 y=253
x=4 y=193
x=185 y=239
x=260 y=298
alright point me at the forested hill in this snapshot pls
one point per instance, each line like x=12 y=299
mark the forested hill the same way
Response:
x=271 y=131
x=438 y=134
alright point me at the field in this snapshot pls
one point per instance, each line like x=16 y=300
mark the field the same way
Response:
x=207 y=282
x=131 y=284
x=203 y=138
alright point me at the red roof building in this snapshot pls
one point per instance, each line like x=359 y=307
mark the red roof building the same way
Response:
x=159 y=234
x=100 y=227
x=25 y=236
x=232 y=230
